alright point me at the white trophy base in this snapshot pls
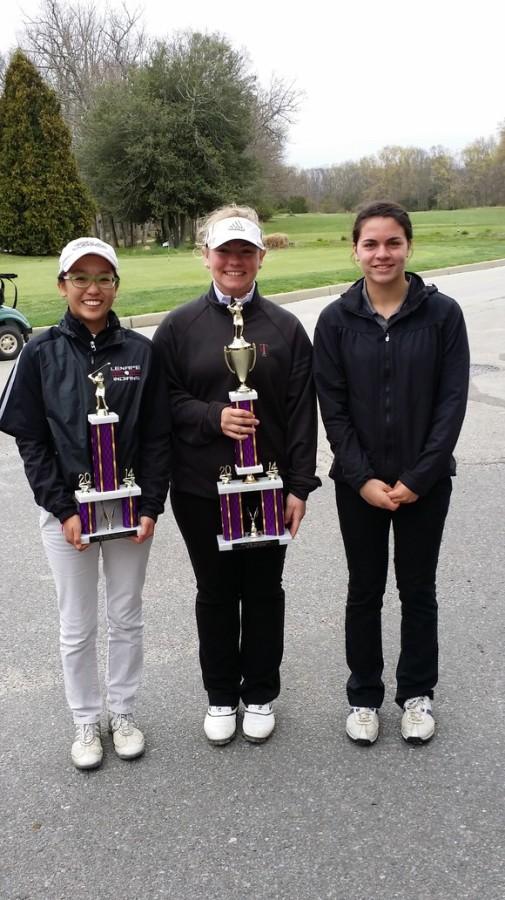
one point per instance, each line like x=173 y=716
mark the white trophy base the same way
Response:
x=108 y=418
x=249 y=470
x=236 y=396
x=93 y=496
x=244 y=487
x=248 y=541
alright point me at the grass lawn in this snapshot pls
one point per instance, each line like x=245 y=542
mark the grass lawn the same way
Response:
x=154 y=279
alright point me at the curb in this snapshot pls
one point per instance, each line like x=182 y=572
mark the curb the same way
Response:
x=147 y=319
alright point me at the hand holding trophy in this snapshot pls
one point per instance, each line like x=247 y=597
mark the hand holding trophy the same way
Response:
x=261 y=499
x=97 y=505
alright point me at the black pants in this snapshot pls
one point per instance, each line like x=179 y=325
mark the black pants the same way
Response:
x=417 y=530
x=239 y=607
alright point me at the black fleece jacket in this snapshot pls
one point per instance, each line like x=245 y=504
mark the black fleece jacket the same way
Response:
x=392 y=401
x=47 y=399
x=191 y=340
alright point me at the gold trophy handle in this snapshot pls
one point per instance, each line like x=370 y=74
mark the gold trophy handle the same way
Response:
x=254 y=358
x=226 y=361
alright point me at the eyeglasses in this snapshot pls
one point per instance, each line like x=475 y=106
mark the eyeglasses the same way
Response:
x=104 y=282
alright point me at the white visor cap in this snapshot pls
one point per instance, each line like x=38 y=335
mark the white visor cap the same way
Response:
x=82 y=247
x=234 y=229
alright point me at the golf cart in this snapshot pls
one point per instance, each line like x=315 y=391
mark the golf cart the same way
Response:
x=14 y=326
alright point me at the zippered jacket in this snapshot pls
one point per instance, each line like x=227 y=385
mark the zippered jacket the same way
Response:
x=191 y=340
x=392 y=401
x=47 y=399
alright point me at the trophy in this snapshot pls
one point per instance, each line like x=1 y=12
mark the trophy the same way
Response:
x=99 y=504
x=252 y=508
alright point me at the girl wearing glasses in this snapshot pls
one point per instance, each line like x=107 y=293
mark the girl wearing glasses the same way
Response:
x=45 y=407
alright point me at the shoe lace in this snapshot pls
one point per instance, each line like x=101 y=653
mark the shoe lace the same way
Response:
x=86 y=733
x=124 y=723
x=364 y=714
x=416 y=709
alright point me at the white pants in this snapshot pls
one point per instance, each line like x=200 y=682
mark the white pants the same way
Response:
x=75 y=575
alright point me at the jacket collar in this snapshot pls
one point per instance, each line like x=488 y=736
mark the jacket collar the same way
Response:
x=210 y=296
x=74 y=328
x=352 y=299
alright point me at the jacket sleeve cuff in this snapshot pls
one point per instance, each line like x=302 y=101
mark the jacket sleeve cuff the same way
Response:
x=214 y=416
x=67 y=513
x=146 y=511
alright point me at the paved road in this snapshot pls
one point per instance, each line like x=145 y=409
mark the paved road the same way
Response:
x=308 y=815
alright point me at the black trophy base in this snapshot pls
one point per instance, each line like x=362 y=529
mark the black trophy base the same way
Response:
x=108 y=535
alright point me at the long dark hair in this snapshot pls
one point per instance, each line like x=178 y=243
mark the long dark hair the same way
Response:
x=386 y=209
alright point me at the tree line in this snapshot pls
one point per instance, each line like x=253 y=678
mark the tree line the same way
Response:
x=102 y=126
x=416 y=178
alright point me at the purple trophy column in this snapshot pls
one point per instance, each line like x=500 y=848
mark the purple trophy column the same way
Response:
x=88 y=517
x=273 y=511
x=246 y=451
x=279 y=504
x=103 y=450
x=130 y=512
x=231 y=516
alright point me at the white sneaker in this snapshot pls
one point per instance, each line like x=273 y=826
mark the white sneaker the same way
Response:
x=418 y=724
x=87 y=750
x=362 y=725
x=258 y=723
x=127 y=738
x=220 y=724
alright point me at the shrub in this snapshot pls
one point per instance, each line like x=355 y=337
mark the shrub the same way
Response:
x=297 y=204
x=265 y=211
x=276 y=241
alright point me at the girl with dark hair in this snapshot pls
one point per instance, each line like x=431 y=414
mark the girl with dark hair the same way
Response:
x=391 y=365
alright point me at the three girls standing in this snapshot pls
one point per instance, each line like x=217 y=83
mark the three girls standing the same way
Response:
x=391 y=365
x=391 y=368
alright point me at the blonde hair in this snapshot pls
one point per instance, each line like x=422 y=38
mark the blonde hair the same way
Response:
x=224 y=212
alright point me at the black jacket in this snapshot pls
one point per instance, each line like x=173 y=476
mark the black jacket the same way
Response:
x=191 y=340
x=393 y=401
x=47 y=399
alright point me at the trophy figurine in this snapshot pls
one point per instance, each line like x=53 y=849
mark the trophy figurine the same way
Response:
x=240 y=357
x=248 y=499
x=97 y=504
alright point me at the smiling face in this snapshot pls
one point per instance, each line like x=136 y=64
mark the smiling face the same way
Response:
x=234 y=266
x=382 y=250
x=92 y=304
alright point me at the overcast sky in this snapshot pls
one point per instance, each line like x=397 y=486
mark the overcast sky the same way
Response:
x=372 y=73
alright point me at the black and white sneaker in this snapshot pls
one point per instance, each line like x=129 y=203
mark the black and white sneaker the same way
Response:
x=362 y=725
x=418 y=724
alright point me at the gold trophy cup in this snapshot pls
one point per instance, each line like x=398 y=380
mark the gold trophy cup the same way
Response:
x=240 y=356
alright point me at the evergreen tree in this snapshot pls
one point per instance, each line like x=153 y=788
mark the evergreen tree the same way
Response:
x=175 y=140
x=43 y=202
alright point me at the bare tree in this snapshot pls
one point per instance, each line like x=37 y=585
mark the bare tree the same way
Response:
x=275 y=110
x=3 y=66
x=79 y=45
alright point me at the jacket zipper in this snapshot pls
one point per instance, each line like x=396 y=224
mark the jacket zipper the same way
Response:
x=93 y=351
x=387 y=402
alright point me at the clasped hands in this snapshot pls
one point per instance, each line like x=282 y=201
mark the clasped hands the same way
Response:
x=378 y=493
